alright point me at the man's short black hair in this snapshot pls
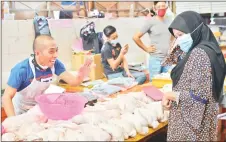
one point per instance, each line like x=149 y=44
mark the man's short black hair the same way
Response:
x=109 y=30
x=155 y=2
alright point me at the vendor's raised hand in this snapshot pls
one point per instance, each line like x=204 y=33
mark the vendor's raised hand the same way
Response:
x=86 y=67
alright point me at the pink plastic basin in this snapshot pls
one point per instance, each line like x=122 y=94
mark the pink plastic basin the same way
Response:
x=61 y=106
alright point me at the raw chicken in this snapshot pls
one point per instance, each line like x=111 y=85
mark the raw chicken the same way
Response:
x=114 y=113
x=157 y=108
x=149 y=116
x=13 y=124
x=141 y=96
x=62 y=124
x=52 y=134
x=35 y=110
x=76 y=135
x=90 y=118
x=100 y=106
x=10 y=137
x=139 y=123
x=166 y=116
x=141 y=119
x=97 y=134
x=44 y=134
x=115 y=131
x=29 y=129
x=108 y=114
x=32 y=138
x=85 y=132
x=126 y=104
x=116 y=119
x=46 y=125
x=128 y=128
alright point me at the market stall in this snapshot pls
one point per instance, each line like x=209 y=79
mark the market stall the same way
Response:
x=149 y=129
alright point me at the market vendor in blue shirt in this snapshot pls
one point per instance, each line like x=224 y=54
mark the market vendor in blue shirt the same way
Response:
x=32 y=76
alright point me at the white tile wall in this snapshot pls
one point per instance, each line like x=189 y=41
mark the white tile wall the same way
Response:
x=5 y=76
x=5 y=63
x=26 y=28
x=21 y=45
x=9 y=28
x=5 y=44
x=16 y=58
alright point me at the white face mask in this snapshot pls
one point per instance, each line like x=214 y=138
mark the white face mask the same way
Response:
x=185 y=41
x=43 y=67
x=114 y=42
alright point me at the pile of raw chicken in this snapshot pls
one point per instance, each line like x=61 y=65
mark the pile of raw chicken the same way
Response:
x=115 y=119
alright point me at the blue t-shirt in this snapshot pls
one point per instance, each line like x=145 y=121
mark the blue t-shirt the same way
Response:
x=21 y=75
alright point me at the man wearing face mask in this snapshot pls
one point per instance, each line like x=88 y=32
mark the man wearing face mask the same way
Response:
x=157 y=28
x=113 y=58
x=32 y=76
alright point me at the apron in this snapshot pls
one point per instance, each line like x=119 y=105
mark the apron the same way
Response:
x=25 y=99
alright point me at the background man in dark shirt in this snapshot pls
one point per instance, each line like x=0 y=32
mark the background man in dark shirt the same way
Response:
x=113 y=59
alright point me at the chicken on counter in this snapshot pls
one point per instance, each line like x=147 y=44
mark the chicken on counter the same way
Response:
x=115 y=119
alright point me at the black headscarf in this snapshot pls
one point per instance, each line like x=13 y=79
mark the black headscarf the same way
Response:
x=203 y=38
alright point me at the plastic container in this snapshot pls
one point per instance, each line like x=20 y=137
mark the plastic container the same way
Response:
x=61 y=106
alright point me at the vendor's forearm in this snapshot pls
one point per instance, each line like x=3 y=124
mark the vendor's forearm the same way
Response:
x=77 y=80
x=70 y=79
x=8 y=106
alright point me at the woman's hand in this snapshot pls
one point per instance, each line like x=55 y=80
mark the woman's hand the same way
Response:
x=167 y=100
